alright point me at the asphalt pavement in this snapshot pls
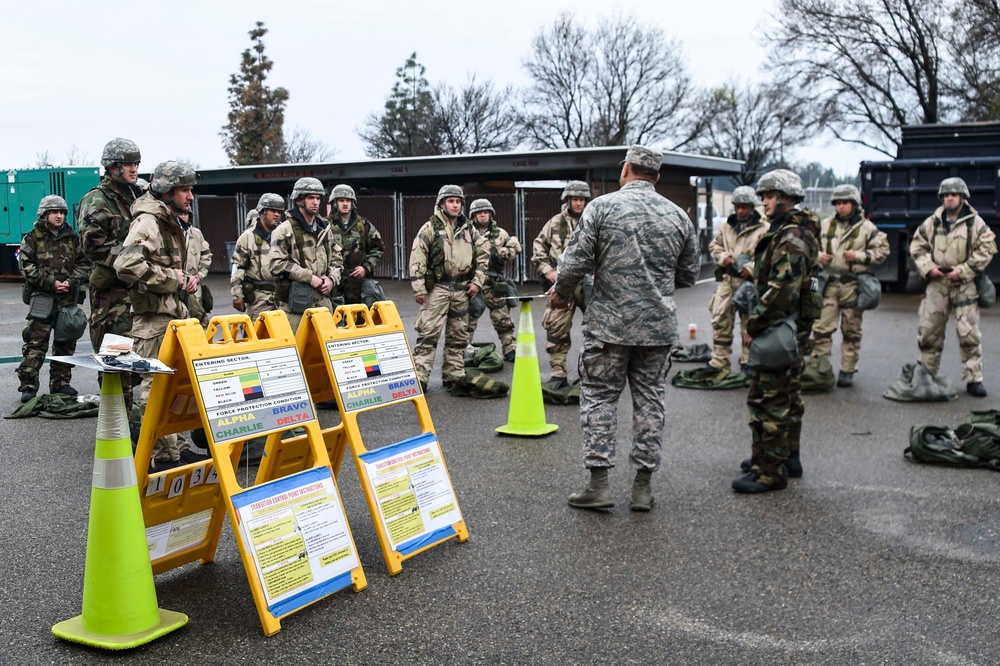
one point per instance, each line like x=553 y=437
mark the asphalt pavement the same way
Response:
x=868 y=559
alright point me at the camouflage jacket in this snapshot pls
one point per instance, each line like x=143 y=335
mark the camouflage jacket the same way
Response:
x=860 y=234
x=360 y=243
x=105 y=216
x=935 y=245
x=154 y=250
x=48 y=255
x=735 y=238
x=250 y=261
x=639 y=246
x=297 y=253
x=501 y=245
x=552 y=241
x=198 y=254
x=786 y=260
x=446 y=251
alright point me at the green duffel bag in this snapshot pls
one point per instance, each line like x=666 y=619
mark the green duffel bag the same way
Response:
x=71 y=323
x=485 y=358
x=869 y=291
x=776 y=348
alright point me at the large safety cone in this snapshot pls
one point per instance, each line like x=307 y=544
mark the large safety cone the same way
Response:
x=526 y=417
x=119 y=597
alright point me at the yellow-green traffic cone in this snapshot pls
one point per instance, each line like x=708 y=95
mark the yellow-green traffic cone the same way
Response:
x=119 y=596
x=527 y=411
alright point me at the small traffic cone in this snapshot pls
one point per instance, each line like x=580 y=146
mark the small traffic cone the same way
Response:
x=119 y=597
x=526 y=416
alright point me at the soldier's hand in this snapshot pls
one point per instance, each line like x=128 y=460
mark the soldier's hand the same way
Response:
x=358 y=272
x=551 y=276
x=61 y=286
x=239 y=304
x=316 y=282
x=935 y=274
x=747 y=274
x=727 y=262
x=192 y=284
x=326 y=285
x=849 y=255
x=181 y=277
x=421 y=299
x=747 y=339
x=954 y=275
x=556 y=301
x=825 y=258
x=472 y=290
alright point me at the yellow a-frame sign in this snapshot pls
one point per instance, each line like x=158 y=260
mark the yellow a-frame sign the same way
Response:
x=293 y=535
x=361 y=357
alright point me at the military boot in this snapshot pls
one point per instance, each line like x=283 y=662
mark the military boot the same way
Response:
x=793 y=466
x=758 y=481
x=642 y=491
x=845 y=379
x=66 y=389
x=510 y=356
x=976 y=389
x=597 y=494
x=27 y=395
x=709 y=371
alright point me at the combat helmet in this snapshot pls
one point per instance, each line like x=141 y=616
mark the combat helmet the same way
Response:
x=744 y=194
x=170 y=174
x=480 y=205
x=119 y=151
x=953 y=186
x=846 y=192
x=783 y=181
x=450 y=191
x=307 y=185
x=343 y=191
x=142 y=184
x=50 y=203
x=270 y=201
x=576 y=188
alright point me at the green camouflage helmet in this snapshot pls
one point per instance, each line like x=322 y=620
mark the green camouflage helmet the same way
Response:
x=450 y=191
x=307 y=185
x=170 y=174
x=576 y=188
x=270 y=201
x=51 y=203
x=744 y=194
x=481 y=205
x=343 y=191
x=846 y=192
x=953 y=186
x=784 y=181
x=118 y=151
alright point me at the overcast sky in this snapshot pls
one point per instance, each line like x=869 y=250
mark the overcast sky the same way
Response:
x=79 y=73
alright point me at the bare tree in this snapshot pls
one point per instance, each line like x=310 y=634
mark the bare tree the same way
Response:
x=303 y=147
x=74 y=157
x=869 y=66
x=42 y=160
x=973 y=77
x=477 y=118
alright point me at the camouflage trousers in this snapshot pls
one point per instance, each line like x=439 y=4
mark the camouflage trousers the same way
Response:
x=295 y=319
x=36 y=336
x=110 y=312
x=447 y=309
x=500 y=317
x=940 y=299
x=263 y=301
x=558 y=323
x=604 y=369
x=168 y=447
x=723 y=323
x=839 y=302
x=776 y=410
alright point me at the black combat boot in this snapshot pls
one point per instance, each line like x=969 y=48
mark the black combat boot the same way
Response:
x=757 y=481
x=976 y=389
x=27 y=395
x=510 y=356
x=597 y=494
x=793 y=466
x=845 y=379
x=67 y=390
x=642 y=491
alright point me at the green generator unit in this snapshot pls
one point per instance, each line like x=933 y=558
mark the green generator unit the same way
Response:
x=23 y=189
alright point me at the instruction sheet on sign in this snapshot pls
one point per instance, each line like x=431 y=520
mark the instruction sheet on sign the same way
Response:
x=411 y=485
x=296 y=531
x=373 y=370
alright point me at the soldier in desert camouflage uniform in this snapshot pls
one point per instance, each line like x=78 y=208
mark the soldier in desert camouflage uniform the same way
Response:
x=851 y=244
x=638 y=245
x=448 y=264
x=546 y=250
x=303 y=251
x=197 y=260
x=251 y=282
x=784 y=269
x=360 y=243
x=54 y=265
x=503 y=248
x=949 y=248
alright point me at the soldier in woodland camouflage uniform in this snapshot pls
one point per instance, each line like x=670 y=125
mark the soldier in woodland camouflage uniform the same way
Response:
x=53 y=264
x=197 y=260
x=151 y=262
x=448 y=264
x=734 y=243
x=949 y=248
x=360 y=243
x=251 y=282
x=546 y=250
x=851 y=244
x=638 y=246
x=303 y=251
x=503 y=248
x=784 y=269
x=105 y=216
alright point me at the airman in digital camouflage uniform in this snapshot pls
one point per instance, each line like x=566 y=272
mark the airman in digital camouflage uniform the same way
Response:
x=448 y=263
x=360 y=242
x=503 y=248
x=303 y=251
x=151 y=262
x=949 y=248
x=251 y=282
x=546 y=250
x=851 y=244
x=639 y=246
x=732 y=250
x=784 y=267
x=53 y=264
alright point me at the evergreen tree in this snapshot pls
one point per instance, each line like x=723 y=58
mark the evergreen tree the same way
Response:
x=405 y=128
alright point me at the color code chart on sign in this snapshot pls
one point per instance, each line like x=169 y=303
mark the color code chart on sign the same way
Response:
x=373 y=370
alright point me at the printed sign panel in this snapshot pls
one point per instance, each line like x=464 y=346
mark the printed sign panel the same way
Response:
x=373 y=370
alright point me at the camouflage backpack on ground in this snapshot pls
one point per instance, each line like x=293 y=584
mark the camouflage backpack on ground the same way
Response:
x=485 y=358
x=477 y=385
x=557 y=392
x=968 y=445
